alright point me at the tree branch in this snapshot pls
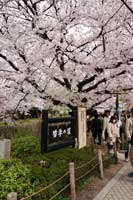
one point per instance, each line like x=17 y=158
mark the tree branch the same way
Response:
x=86 y=81
x=9 y=62
x=94 y=86
x=128 y=7
x=102 y=101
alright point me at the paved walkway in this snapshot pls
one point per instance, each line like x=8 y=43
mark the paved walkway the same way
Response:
x=120 y=187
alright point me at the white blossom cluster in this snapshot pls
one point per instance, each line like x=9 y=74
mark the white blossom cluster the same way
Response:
x=67 y=52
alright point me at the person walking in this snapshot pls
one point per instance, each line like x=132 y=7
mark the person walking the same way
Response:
x=123 y=128
x=96 y=128
x=118 y=125
x=113 y=132
x=129 y=132
x=105 y=131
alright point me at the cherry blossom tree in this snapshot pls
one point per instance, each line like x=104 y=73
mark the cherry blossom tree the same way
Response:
x=68 y=52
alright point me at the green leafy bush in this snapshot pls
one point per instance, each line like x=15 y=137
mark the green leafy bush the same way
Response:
x=14 y=176
x=25 y=146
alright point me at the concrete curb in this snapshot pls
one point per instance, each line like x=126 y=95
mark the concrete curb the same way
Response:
x=101 y=195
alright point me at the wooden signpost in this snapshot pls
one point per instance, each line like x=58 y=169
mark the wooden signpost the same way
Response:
x=64 y=131
x=57 y=132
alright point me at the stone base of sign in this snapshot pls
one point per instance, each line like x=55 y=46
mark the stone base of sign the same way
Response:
x=5 y=148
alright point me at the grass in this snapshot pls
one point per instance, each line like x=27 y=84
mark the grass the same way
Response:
x=27 y=121
x=2 y=124
x=22 y=128
x=19 y=122
x=83 y=184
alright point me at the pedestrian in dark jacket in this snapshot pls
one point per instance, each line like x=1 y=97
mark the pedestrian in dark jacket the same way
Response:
x=96 y=128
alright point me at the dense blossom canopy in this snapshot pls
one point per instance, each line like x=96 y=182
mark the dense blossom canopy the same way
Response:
x=72 y=52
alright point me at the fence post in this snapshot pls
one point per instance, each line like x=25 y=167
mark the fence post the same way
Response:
x=100 y=161
x=12 y=196
x=72 y=181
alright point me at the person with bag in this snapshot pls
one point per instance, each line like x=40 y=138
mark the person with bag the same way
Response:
x=129 y=133
x=118 y=124
x=112 y=134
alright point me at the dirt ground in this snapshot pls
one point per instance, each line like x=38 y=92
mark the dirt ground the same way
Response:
x=95 y=187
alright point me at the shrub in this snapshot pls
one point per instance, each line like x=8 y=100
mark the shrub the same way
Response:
x=14 y=176
x=25 y=146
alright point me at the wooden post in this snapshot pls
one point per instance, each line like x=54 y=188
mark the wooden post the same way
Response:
x=74 y=126
x=44 y=132
x=100 y=161
x=72 y=181
x=12 y=196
